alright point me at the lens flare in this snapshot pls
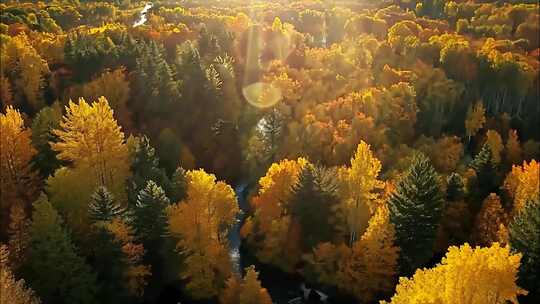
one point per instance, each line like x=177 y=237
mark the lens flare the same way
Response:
x=261 y=94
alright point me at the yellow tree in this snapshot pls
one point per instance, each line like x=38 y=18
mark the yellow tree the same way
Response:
x=275 y=190
x=326 y=262
x=494 y=141
x=523 y=184
x=475 y=119
x=13 y=291
x=372 y=265
x=275 y=236
x=202 y=222
x=246 y=291
x=17 y=179
x=465 y=275
x=361 y=190
x=137 y=273
x=26 y=68
x=252 y=292
x=513 y=148
x=488 y=221
x=446 y=153
x=231 y=293
x=90 y=138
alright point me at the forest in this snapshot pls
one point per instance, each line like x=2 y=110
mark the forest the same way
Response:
x=259 y=152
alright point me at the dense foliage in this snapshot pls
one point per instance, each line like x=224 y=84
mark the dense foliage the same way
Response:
x=376 y=141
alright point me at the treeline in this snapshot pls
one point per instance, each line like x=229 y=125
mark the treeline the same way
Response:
x=378 y=137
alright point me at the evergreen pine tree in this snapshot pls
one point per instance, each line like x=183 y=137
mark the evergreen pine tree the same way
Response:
x=156 y=81
x=482 y=159
x=271 y=130
x=102 y=206
x=151 y=227
x=150 y=219
x=263 y=145
x=524 y=237
x=145 y=167
x=178 y=185
x=313 y=201
x=189 y=67
x=487 y=180
x=415 y=210
x=52 y=268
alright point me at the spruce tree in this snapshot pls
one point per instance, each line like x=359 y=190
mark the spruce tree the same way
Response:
x=151 y=228
x=415 y=210
x=482 y=160
x=53 y=268
x=145 y=167
x=524 y=237
x=487 y=180
x=102 y=206
x=271 y=132
x=313 y=202
x=156 y=82
x=178 y=185
x=150 y=219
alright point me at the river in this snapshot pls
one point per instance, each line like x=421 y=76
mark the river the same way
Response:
x=142 y=18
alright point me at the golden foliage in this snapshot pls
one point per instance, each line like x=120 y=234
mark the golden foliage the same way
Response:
x=13 y=291
x=494 y=141
x=488 y=221
x=365 y=270
x=90 y=138
x=245 y=291
x=372 y=266
x=362 y=189
x=275 y=190
x=276 y=237
x=27 y=68
x=201 y=222
x=465 y=275
x=137 y=274
x=523 y=184
x=17 y=179
x=475 y=119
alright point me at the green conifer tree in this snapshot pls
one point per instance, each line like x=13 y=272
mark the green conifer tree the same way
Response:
x=102 y=206
x=524 y=237
x=150 y=219
x=415 y=210
x=145 y=167
x=487 y=180
x=314 y=200
x=52 y=268
x=455 y=187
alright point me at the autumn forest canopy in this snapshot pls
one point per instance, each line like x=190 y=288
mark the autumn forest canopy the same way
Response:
x=259 y=152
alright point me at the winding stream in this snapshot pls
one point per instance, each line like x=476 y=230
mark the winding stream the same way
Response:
x=142 y=18
x=235 y=240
